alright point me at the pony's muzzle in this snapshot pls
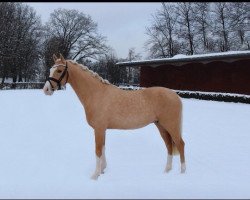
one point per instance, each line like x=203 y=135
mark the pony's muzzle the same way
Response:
x=47 y=89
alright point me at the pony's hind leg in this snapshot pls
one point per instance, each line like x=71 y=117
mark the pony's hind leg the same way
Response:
x=173 y=127
x=168 y=142
x=180 y=144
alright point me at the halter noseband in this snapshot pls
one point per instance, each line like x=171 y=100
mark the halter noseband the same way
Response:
x=61 y=77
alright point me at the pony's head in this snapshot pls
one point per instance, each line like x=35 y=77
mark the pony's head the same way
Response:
x=58 y=75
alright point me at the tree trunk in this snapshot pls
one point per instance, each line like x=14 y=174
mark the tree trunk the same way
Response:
x=248 y=45
x=3 y=80
x=14 y=78
x=20 y=78
x=241 y=34
x=171 y=51
x=226 y=48
x=204 y=37
x=190 y=39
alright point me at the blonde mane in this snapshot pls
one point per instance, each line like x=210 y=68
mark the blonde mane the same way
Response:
x=94 y=74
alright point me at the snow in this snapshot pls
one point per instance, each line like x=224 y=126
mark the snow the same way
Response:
x=191 y=57
x=212 y=54
x=180 y=56
x=47 y=151
x=130 y=87
x=7 y=80
x=214 y=93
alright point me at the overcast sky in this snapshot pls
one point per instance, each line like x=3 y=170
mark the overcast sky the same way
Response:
x=122 y=23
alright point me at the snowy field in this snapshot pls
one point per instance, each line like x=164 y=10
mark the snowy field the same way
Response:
x=47 y=151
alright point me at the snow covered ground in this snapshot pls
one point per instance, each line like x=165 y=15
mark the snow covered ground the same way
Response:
x=47 y=151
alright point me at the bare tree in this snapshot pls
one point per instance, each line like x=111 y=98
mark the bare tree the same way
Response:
x=198 y=28
x=19 y=29
x=239 y=23
x=27 y=41
x=203 y=26
x=7 y=12
x=155 y=44
x=132 y=73
x=132 y=55
x=113 y=72
x=106 y=67
x=222 y=14
x=186 y=24
x=78 y=34
x=163 y=34
x=168 y=18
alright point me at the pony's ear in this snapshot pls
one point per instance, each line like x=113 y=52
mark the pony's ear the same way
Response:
x=62 y=58
x=54 y=57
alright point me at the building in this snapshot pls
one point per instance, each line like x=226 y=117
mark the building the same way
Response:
x=225 y=72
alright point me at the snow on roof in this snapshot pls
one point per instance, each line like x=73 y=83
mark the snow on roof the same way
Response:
x=181 y=59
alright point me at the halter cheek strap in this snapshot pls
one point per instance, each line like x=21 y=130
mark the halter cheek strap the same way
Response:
x=60 y=79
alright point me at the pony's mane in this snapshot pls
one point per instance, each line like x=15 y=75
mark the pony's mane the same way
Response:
x=94 y=74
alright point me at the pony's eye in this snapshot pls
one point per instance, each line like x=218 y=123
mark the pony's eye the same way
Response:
x=59 y=71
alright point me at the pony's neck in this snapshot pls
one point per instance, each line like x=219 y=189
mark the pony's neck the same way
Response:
x=85 y=85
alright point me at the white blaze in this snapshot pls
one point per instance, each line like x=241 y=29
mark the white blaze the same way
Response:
x=47 y=87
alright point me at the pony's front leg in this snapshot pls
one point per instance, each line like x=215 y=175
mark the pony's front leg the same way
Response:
x=104 y=162
x=100 y=155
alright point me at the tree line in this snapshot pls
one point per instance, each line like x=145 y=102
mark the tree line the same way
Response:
x=27 y=45
x=198 y=27
x=20 y=33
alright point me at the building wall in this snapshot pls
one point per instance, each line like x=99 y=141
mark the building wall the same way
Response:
x=216 y=76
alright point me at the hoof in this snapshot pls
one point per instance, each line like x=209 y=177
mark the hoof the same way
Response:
x=103 y=167
x=167 y=169
x=102 y=171
x=183 y=168
x=94 y=176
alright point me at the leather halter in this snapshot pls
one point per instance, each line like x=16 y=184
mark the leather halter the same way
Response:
x=61 y=77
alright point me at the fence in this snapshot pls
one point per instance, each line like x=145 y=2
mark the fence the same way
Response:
x=22 y=85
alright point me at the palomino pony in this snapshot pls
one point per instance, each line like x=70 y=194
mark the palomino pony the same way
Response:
x=109 y=107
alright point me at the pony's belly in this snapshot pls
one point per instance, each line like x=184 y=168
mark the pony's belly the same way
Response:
x=130 y=123
x=126 y=127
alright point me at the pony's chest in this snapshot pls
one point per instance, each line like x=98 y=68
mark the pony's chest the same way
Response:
x=95 y=117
